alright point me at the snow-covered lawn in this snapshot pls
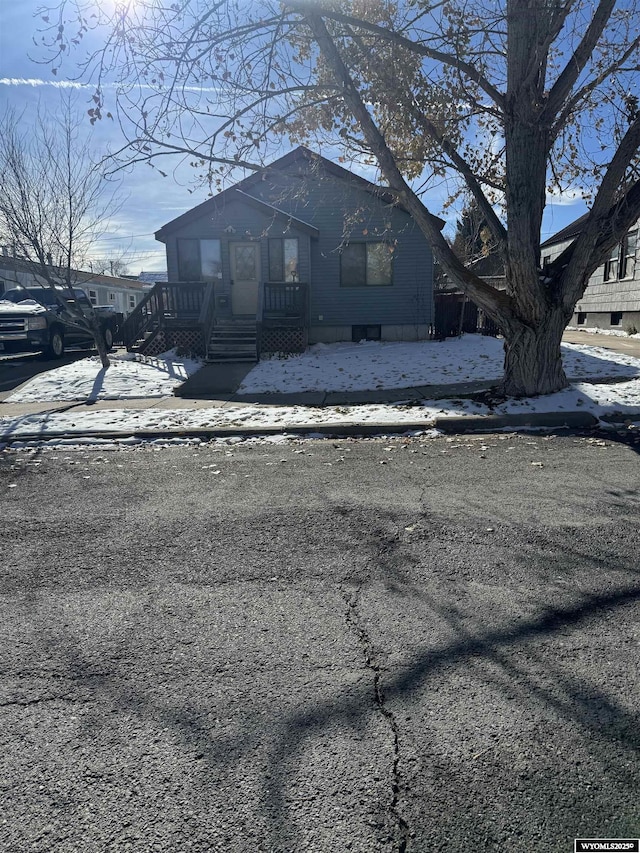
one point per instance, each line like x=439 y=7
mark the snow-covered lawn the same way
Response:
x=129 y=376
x=373 y=366
x=340 y=367
x=335 y=367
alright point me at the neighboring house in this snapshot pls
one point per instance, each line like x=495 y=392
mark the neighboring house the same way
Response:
x=454 y=311
x=612 y=297
x=120 y=294
x=300 y=252
x=150 y=278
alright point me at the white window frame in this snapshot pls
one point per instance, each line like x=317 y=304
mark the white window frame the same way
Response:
x=627 y=255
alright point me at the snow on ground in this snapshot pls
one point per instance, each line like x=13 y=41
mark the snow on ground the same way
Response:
x=129 y=376
x=600 y=400
x=618 y=333
x=338 y=367
x=246 y=417
x=324 y=367
x=372 y=365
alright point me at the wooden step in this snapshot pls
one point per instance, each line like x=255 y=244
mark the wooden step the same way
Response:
x=233 y=341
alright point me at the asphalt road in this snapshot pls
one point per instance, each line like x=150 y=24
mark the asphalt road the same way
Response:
x=406 y=645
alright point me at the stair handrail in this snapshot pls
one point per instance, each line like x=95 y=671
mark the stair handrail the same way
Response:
x=141 y=318
x=207 y=312
x=260 y=316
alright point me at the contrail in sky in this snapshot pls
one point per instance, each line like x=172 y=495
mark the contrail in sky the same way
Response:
x=34 y=81
x=71 y=84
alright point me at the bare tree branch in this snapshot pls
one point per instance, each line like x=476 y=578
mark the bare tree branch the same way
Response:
x=412 y=46
x=484 y=294
x=53 y=203
x=583 y=93
x=576 y=64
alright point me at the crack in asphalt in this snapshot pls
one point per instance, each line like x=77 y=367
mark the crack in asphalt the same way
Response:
x=400 y=826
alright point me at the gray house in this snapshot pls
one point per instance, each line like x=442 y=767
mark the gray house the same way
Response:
x=300 y=252
x=612 y=297
x=121 y=294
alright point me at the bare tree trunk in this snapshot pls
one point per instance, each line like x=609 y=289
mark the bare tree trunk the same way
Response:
x=532 y=357
x=98 y=337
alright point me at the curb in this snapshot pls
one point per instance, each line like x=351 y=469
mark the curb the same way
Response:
x=326 y=429
x=483 y=423
x=491 y=423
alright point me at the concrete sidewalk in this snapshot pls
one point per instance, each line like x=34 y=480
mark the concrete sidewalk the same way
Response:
x=315 y=399
x=329 y=425
x=214 y=387
x=617 y=343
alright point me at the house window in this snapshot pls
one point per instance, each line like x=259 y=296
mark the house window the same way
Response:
x=283 y=259
x=210 y=265
x=132 y=301
x=616 y=318
x=622 y=259
x=582 y=318
x=93 y=297
x=189 y=260
x=366 y=265
x=611 y=264
x=365 y=333
x=546 y=261
x=199 y=260
x=112 y=297
x=628 y=255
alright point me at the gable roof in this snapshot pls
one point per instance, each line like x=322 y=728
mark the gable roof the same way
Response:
x=567 y=233
x=152 y=277
x=298 y=155
x=270 y=208
x=82 y=278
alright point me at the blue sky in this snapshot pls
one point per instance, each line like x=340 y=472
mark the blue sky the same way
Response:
x=149 y=200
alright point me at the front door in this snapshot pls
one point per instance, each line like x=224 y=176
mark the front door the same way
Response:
x=245 y=277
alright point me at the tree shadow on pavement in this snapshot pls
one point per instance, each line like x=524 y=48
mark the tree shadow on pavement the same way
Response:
x=618 y=725
x=507 y=656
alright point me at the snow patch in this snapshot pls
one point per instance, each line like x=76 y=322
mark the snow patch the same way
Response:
x=129 y=376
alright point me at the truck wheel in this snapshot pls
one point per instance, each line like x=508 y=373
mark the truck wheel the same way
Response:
x=56 y=344
x=108 y=337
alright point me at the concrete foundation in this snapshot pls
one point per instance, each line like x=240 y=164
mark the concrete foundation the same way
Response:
x=603 y=320
x=338 y=334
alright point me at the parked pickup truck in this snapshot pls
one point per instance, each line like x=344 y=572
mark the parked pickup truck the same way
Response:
x=32 y=320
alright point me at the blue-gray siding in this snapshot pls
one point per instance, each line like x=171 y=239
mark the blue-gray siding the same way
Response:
x=341 y=211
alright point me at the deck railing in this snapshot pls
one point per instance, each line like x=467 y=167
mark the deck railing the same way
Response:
x=284 y=300
x=166 y=304
x=281 y=305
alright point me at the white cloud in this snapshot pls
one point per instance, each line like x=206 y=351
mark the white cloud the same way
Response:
x=561 y=197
